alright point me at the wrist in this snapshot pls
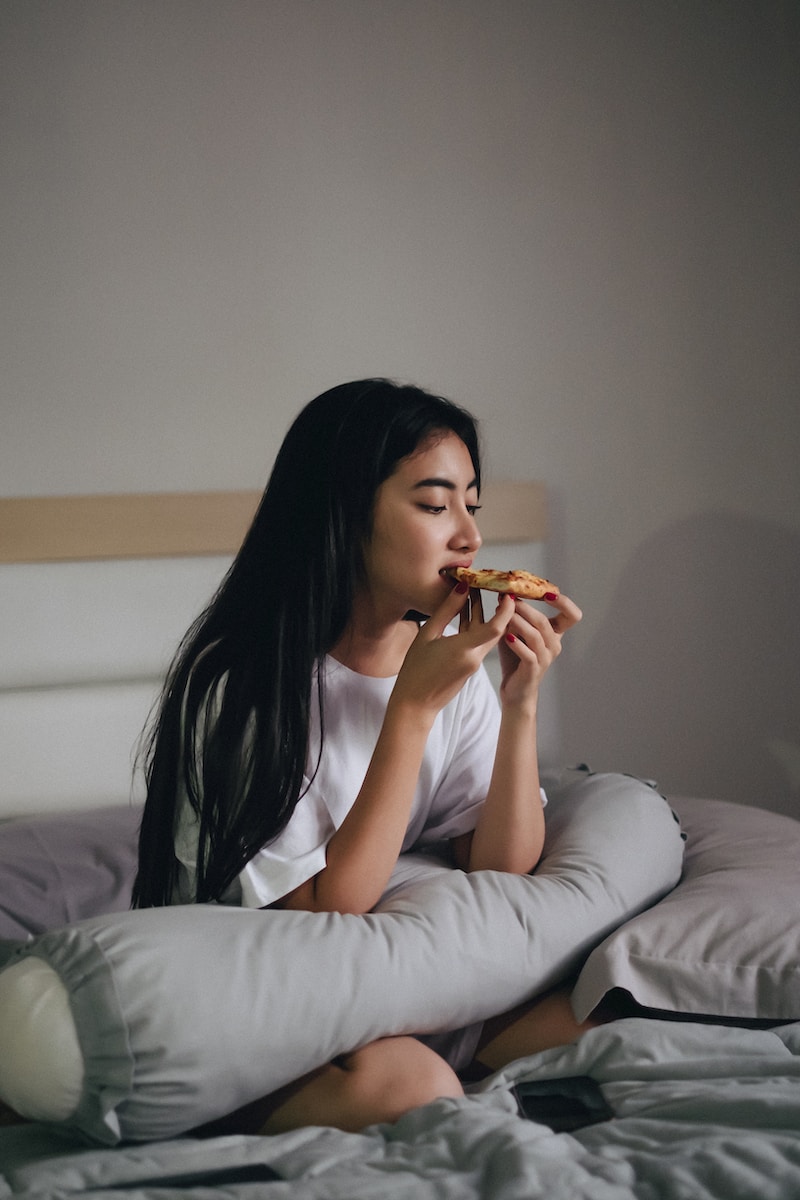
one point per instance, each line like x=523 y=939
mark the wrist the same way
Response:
x=408 y=717
x=521 y=711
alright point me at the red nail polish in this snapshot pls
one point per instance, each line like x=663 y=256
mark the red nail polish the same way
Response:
x=462 y=588
x=510 y=639
x=551 y=596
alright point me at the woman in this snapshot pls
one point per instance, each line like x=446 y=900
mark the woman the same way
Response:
x=320 y=717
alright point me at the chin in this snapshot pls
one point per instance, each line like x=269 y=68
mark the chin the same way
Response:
x=428 y=599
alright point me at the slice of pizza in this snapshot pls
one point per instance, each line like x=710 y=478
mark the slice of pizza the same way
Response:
x=521 y=583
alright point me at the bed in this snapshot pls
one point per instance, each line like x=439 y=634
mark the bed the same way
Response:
x=688 y=926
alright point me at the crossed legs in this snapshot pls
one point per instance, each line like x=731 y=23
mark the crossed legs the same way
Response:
x=377 y=1083
x=380 y=1082
x=391 y=1076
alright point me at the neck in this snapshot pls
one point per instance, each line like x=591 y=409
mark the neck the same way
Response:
x=370 y=648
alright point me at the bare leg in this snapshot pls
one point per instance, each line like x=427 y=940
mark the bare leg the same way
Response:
x=378 y=1083
x=544 y=1023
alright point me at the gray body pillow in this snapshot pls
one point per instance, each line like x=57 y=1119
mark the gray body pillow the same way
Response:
x=183 y=1014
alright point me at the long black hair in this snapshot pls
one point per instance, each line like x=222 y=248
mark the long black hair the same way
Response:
x=232 y=726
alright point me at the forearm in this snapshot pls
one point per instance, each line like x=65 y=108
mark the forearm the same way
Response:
x=362 y=853
x=509 y=835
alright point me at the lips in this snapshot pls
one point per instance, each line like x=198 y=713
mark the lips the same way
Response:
x=447 y=572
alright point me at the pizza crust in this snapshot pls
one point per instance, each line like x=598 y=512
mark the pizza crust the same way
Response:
x=520 y=583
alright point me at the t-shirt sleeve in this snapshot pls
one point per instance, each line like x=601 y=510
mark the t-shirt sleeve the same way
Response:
x=297 y=854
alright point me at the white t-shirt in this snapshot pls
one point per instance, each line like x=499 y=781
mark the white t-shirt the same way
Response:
x=452 y=784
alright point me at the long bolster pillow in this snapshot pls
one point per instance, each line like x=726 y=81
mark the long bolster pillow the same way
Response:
x=179 y=1015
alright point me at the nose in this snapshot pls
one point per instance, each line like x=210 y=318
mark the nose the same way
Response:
x=468 y=536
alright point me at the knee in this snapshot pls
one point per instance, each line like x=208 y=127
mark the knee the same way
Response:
x=428 y=1077
x=442 y=1080
x=395 y=1075
x=374 y=1085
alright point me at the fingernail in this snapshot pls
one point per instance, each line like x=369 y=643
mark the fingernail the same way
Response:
x=462 y=588
x=510 y=638
x=511 y=594
x=551 y=596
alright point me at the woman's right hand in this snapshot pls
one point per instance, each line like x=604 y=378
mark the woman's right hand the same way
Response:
x=438 y=664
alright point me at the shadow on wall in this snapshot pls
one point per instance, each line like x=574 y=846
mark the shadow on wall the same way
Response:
x=693 y=679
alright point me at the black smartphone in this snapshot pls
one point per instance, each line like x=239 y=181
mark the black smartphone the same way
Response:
x=564 y=1105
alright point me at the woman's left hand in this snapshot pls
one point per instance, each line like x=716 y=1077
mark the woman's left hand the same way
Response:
x=531 y=645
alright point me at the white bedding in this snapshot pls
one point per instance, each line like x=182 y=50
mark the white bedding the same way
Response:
x=83 y=651
x=702 y=1112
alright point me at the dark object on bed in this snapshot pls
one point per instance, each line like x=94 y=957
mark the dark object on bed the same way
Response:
x=563 y=1105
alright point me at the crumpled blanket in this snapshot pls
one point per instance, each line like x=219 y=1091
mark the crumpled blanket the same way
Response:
x=701 y=1111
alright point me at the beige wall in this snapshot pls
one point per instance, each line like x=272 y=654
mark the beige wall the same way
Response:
x=579 y=217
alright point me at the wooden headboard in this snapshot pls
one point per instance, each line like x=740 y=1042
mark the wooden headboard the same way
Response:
x=96 y=593
x=181 y=524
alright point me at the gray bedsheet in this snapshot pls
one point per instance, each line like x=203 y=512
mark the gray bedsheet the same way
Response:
x=702 y=1112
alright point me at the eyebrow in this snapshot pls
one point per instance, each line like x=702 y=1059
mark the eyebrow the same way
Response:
x=435 y=481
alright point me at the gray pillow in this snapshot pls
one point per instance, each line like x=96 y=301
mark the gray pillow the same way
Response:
x=183 y=1014
x=61 y=868
x=726 y=941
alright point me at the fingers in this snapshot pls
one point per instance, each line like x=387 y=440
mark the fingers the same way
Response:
x=568 y=614
x=468 y=604
x=550 y=629
x=437 y=666
x=438 y=621
x=493 y=629
x=533 y=636
x=511 y=615
x=472 y=612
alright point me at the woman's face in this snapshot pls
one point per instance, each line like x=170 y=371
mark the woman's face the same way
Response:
x=423 y=523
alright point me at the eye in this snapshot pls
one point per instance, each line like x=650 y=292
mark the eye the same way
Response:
x=473 y=509
x=432 y=508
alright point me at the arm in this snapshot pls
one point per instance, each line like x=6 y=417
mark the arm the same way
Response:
x=362 y=853
x=509 y=834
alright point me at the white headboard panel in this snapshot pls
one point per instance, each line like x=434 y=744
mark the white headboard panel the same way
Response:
x=92 y=622
x=83 y=651
x=87 y=630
